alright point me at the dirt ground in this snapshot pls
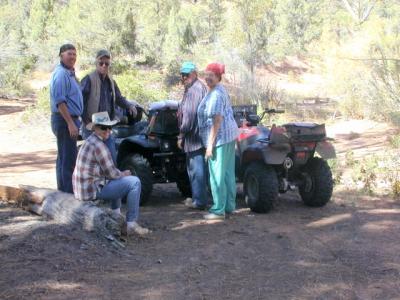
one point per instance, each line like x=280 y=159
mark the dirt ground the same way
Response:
x=348 y=249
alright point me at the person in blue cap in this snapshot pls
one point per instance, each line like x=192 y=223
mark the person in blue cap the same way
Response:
x=189 y=139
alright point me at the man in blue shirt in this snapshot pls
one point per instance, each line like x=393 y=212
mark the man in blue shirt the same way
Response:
x=66 y=105
x=101 y=93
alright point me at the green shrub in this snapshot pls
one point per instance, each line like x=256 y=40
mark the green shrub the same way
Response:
x=142 y=86
x=366 y=172
x=13 y=75
x=41 y=107
x=352 y=107
x=336 y=169
x=395 y=141
x=120 y=66
x=395 y=184
x=173 y=74
x=349 y=159
x=394 y=117
x=43 y=100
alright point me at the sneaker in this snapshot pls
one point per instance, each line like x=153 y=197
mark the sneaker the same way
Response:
x=212 y=216
x=135 y=228
x=188 y=202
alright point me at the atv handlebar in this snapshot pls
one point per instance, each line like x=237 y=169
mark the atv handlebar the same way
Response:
x=274 y=111
x=271 y=111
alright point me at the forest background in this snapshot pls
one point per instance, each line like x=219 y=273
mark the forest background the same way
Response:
x=350 y=46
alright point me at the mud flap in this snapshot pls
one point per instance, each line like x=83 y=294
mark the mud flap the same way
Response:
x=325 y=150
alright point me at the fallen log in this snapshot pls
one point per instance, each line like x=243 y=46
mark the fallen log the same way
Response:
x=63 y=208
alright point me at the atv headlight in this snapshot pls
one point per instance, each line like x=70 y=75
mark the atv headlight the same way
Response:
x=165 y=146
x=288 y=163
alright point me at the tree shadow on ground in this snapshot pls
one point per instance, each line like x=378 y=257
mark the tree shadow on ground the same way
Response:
x=25 y=162
x=347 y=249
x=10 y=109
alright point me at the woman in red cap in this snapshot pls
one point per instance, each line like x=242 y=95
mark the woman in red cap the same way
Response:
x=218 y=131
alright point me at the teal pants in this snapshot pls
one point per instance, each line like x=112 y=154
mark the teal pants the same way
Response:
x=222 y=179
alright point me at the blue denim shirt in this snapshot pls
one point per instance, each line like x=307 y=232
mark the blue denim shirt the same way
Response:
x=64 y=87
x=217 y=102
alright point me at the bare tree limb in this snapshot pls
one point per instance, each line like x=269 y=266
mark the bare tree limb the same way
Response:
x=363 y=11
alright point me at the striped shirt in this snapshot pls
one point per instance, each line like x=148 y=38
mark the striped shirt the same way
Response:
x=217 y=102
x=93 y=165
x=187 y=116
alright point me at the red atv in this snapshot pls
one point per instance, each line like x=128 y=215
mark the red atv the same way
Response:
x=274 y=160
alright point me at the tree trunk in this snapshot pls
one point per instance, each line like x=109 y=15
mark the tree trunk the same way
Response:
x=63 y=208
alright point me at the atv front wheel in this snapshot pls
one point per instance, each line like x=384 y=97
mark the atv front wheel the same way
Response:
x=317 y=188
x=140 y=167
x=260 y=187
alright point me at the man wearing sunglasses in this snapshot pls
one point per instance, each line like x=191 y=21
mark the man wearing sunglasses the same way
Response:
x=94 y=166
x=189 y=139
x=101 y=93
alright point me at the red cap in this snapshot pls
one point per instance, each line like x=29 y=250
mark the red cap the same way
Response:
x=216 y=68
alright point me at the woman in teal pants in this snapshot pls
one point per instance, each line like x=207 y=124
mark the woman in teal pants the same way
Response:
x=218 y=131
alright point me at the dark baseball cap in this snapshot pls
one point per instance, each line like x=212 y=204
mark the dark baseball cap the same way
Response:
x=66 y=47
x=103 y=53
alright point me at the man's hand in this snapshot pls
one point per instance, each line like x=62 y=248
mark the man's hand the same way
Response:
x=209 y=152
x=132 y=111
x=73 y=130
x=126 y=173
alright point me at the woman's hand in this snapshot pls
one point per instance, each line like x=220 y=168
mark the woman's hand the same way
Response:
x=209 y=152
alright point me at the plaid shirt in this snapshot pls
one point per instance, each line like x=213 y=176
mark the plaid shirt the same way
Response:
x=217 y=102
x=93 y=165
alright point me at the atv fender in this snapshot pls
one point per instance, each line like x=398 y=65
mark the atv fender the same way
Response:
x=275 y=155
x=325 y=149
x=137 y=144
x=267 y=153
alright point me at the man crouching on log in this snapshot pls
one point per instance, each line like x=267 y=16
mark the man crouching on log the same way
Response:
x=94 y=164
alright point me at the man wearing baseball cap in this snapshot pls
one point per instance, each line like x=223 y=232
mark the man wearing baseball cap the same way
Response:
x=66 y=108
x=189 y=139
x=101 y=93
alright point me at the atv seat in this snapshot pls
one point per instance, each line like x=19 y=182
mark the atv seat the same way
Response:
x=164 y=105
x=305 y=132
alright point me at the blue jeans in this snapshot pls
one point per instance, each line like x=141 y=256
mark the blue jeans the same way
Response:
x=110 y=142
x=125 y=187
x=66 y=152
x=196 y=168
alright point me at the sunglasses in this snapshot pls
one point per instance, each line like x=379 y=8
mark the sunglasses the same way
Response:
x=184 y=75
x=104 y=127
x=102 y=63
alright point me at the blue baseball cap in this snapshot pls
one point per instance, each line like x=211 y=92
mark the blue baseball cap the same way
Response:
x=188 y=67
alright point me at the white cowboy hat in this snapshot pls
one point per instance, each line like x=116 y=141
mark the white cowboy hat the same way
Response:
x=101 y=118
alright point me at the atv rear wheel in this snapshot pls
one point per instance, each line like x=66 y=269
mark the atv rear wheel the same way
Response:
x=318 y=183
x=140 y=167
x=260 y=187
